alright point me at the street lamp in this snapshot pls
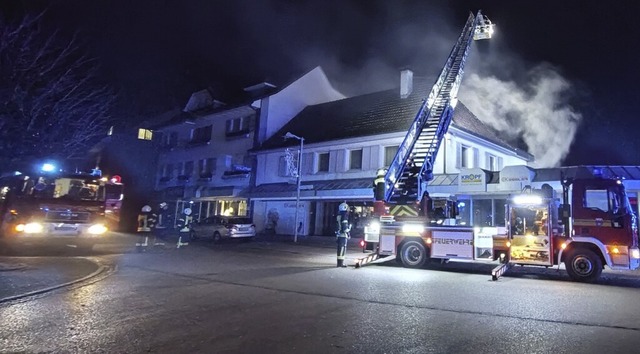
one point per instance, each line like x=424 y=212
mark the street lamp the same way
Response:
x=299 y=175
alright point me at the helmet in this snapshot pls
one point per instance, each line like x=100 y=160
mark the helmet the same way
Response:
x=187 y=211
x=146 y=209
x=163 y=205
x=343 y=207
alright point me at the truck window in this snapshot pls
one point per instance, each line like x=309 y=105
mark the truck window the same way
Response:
x=596 y=199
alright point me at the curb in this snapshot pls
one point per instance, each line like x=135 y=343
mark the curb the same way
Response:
x=100 y=270
x=9 y=268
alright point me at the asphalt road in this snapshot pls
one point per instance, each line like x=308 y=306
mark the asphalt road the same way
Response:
x=270 y=297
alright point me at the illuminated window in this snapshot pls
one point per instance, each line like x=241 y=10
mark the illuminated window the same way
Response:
x=355 y=160
x=145 y=134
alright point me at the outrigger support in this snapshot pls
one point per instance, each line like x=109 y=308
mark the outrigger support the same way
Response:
x=498 y=271
x=372 y=258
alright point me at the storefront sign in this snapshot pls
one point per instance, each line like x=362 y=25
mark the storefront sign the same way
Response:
x=515 y=178
x=472 y=180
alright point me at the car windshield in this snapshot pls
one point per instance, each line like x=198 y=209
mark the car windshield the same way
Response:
x=239 y=221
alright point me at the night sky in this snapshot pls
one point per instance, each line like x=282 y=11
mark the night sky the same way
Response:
x=559 y=76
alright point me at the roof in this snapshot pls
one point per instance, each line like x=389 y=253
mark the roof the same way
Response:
x=372 y=114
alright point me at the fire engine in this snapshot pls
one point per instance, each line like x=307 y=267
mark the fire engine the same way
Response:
x=592 y=227
x=54 y=207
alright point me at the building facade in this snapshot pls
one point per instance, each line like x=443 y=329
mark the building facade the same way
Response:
x=347 y=141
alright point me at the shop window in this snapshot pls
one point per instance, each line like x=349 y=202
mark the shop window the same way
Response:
x=482 y=212
x=498 y=212
x=464 y=212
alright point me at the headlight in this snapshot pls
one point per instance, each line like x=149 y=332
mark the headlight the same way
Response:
x=97 y=229
x=635 y=253
x=33 y=228
x=412 y=228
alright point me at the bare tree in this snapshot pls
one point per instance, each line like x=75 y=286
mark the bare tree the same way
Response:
x=51 y=104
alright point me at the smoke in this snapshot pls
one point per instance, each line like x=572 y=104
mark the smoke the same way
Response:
x=536 y=113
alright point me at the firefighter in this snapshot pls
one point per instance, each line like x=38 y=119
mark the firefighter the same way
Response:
x=146 y=227
x=163 y=216
x=342 y=232
x=184 y=223
x=378 y=184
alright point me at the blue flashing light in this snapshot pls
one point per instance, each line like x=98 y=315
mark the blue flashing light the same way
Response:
x=47 y=167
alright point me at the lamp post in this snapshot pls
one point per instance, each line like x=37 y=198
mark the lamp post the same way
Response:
x=298 y=177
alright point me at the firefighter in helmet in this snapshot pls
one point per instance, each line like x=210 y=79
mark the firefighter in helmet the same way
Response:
x=146 y=226
x=378 y=184
x=342 y=232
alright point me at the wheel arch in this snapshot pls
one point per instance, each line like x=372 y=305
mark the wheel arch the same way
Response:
x=589 y=243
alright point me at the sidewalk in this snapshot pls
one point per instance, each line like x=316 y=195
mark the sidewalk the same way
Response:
x=24 y=276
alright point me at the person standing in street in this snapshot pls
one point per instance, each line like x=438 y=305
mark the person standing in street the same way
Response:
x=146 y=227
x=342 y=233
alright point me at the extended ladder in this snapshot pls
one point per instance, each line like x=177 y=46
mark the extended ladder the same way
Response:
x=412 y=165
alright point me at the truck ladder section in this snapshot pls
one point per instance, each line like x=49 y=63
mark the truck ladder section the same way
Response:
x=498 y=271
x=412 y=166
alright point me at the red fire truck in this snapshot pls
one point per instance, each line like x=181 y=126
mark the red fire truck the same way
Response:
x=595 y=227
x=592 y=226
x=53 y=208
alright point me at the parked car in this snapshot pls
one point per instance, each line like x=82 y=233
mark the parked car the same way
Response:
x=224 y=227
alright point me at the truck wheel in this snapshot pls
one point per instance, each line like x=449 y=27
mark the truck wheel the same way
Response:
x=583 y=265
x=413 y=254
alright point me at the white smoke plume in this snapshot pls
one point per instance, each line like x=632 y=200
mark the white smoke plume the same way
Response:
x=538 y=113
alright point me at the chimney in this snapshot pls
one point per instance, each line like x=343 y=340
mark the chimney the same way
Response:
x=406 y=83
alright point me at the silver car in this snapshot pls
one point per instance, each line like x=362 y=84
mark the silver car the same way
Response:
x=224 y=227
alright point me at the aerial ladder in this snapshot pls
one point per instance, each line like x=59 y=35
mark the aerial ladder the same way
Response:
x=405 y=181
x=406 y=178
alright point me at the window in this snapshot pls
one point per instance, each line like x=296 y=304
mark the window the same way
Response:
x=482 y=212
x=467 y=156
x=323 y=162
x=355 y=160
x=493 y=162
x=201 y=135
x=238 y=126
x=596 y=199
x=389 y=153
x=168 y=170
x=211 y=165
x=188 y=168
x=145 y=134
x=498 y=212
x=202 y=163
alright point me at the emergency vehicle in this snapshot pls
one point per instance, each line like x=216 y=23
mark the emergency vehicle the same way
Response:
x=592 y=227
x=53 y=207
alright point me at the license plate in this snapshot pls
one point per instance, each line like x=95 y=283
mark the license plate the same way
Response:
x=66 y=228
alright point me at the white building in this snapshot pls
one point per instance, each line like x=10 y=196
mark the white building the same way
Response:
x=203 y=158
x=347 y=141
